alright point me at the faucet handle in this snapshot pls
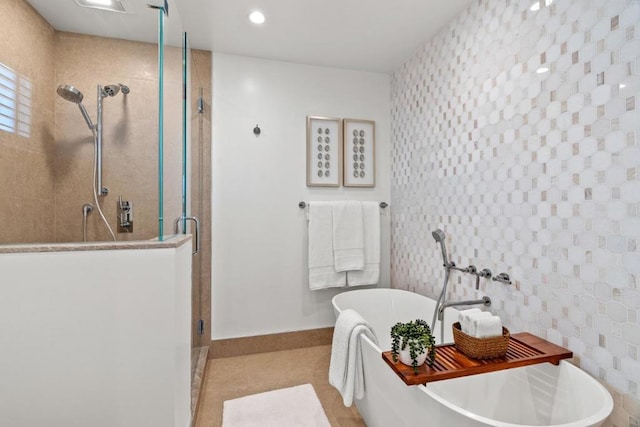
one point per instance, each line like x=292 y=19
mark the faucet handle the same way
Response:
x=503 y=278
x=485 y=273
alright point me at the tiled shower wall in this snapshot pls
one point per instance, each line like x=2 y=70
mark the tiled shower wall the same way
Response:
x=45 y=176
x=130 y=153
x=26 y=167
x=515 y=130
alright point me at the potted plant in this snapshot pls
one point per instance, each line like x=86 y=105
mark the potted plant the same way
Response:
x=412 y=342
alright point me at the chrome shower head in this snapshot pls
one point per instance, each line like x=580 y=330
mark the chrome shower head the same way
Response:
x=113 y=90
x=439 y=236
x=70 y=93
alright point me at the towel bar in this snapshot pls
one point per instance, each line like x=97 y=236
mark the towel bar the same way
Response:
x=303 y=205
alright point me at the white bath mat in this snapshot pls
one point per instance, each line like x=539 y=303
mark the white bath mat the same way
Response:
x=287 y=407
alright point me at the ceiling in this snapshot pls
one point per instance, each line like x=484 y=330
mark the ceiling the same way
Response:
x=369 y=35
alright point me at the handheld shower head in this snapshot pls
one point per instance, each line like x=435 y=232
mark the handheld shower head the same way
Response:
x=72 y=94
x=439 y=236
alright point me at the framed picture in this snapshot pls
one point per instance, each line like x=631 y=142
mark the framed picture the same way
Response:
x=324 y=151
x=359 y=153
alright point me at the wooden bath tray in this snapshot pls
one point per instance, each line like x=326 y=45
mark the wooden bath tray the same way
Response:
x=524 y=349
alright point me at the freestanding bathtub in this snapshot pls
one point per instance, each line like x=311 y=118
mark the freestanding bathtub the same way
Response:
x=537 y=395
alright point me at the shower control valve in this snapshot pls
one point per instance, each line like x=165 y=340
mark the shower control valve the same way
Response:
x=125 y=216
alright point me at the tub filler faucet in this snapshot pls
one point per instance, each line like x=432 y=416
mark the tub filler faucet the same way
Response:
x=486 y=301
x=441 y=303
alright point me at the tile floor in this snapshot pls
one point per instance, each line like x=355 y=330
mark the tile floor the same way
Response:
x=234 y=377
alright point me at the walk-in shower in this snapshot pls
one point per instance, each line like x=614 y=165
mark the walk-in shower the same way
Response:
x=72 y=94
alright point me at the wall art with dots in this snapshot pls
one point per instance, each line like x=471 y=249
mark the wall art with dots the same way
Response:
x=359 y=153
x=324 y=151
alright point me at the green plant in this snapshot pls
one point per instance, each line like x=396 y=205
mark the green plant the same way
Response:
x=417 y=335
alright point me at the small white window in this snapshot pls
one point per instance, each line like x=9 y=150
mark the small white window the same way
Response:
x=15 y=102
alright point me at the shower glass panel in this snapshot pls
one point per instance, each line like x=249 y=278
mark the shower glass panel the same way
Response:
x=173 y=147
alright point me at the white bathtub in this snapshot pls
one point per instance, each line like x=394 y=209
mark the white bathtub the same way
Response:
x=537 y=395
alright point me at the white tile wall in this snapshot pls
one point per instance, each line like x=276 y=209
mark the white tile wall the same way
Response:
x=517 y=132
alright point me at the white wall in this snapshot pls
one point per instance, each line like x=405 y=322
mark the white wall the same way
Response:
x=96 y=338
x=259 y=268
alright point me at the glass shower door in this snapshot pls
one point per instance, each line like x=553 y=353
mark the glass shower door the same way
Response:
x=173 y=129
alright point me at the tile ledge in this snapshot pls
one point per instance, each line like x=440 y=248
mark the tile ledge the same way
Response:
x=173 y=241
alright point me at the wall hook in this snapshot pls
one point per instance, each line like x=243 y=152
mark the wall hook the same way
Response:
x=256 y=130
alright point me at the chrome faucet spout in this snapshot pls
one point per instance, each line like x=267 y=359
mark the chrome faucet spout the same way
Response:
x=486 y=301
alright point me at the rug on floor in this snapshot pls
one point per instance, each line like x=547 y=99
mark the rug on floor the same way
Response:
x=287 y=407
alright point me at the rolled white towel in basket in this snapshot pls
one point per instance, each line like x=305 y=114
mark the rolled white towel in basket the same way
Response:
x=471 y=322
x=486 y=327
x=464 y=318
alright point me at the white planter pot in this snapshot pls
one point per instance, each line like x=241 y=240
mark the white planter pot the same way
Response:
x=405 y=357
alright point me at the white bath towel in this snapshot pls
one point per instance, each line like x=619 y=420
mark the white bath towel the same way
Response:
x=345 y=367
x=370 y=274
x=322 y=273
x=348 y=240
x=463 y=318
x=488 y=327
x=473 y=321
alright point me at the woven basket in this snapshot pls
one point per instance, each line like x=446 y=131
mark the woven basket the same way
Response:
x=481 y=348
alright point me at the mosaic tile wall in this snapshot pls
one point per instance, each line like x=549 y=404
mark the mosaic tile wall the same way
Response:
x=516 y=131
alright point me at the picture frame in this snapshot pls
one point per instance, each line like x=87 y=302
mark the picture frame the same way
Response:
x=359 y=153
x=324 y=151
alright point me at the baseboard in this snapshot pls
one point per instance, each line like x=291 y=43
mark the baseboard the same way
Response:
x=266 y=343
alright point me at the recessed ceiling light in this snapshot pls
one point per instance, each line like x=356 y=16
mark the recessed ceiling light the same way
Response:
x=537 y=5
x=622 y=85
x=110 y=5
x=257 y=17
x=542 y=70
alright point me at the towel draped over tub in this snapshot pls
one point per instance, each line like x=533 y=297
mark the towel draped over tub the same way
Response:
x=345 y=368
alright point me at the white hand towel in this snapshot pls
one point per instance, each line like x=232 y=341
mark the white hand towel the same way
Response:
x=488 y=327
x=370 y=275
x=322 y=273
x=345 y=367
x=348 y=240
x=473 y=322
x=463 y=318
